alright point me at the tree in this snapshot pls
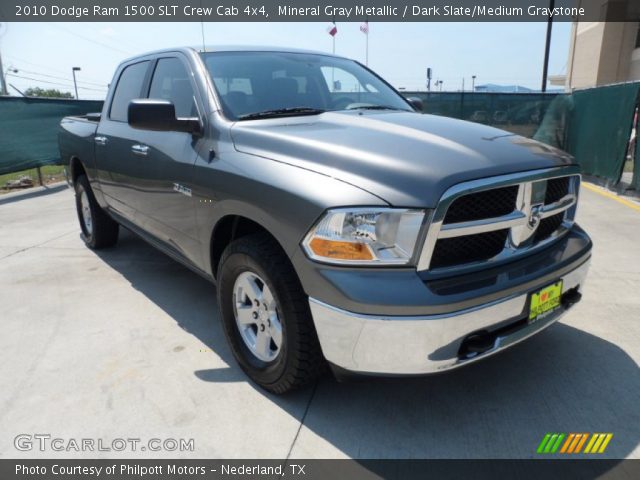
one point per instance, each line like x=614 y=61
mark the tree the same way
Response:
x=50 y=93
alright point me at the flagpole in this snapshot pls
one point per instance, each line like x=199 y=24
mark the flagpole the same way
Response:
x=333 y=70
x=366 y=58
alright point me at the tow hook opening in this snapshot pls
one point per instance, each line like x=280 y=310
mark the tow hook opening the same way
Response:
x=476 y=344
x=571 y=297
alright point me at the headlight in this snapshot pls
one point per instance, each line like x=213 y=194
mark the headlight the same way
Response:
x=377 y=236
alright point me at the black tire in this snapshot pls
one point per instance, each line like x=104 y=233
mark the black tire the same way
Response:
x=102 y=232
x=299 y=360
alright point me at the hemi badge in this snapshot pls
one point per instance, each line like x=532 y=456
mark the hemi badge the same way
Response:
x=181 y=189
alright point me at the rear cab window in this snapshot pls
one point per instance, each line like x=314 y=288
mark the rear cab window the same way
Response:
x=129 y=87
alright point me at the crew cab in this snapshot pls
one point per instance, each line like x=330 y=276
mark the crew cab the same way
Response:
x=340 y=225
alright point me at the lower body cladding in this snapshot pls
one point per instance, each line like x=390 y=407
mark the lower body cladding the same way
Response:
x=413 y=345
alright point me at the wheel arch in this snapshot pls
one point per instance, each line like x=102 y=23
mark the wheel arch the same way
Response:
x=230 y=227
x=76 y=168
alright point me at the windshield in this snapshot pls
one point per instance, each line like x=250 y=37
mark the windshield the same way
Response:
x=267 y=84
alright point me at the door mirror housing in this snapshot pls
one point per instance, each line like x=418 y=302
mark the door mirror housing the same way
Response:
x=416 y=103
x=160 y=116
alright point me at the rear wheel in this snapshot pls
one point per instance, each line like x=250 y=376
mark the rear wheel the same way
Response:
x=266 y=315
x=98 y=229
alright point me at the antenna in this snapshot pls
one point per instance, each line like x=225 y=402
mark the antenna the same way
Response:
x=204 y=48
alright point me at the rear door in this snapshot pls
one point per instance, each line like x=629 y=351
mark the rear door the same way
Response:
x=166 y=200
x=122 y=173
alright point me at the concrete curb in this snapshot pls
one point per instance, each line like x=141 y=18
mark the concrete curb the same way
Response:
x=32 y=192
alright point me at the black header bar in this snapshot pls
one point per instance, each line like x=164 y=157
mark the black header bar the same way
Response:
x=567 y=469
x=317 y=10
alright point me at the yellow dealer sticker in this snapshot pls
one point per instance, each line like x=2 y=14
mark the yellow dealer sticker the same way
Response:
x=545 y=301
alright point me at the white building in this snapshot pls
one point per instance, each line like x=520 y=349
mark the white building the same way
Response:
x=601 y=53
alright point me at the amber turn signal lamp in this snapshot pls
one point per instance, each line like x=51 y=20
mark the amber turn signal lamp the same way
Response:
x=340 y=250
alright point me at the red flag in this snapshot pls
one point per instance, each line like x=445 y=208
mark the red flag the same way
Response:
x=332 y=29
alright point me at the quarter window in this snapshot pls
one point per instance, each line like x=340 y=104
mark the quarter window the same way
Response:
x=129 y=87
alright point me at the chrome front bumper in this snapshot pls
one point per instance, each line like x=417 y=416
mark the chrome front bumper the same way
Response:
x=396 y=345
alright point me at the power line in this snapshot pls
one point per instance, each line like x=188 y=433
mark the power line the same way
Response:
x=54 y=83
x=61 y=78
x=70 y=32
x=46 y=67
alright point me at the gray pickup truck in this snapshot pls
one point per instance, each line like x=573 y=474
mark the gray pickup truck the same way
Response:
x=340 y=226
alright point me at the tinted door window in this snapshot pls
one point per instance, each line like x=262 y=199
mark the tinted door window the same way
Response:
x=171 y=82
x=129 y=87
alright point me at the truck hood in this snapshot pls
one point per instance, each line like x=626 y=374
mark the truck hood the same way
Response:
x=407 y=159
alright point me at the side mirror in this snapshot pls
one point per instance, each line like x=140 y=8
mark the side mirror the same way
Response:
x=416 y=103
x=160 y=116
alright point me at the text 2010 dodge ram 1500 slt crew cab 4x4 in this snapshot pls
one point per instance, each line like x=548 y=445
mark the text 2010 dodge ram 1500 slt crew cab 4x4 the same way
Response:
x=339 y=225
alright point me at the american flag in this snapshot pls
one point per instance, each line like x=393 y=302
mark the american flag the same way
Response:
x=364 y=28
x=332 y=29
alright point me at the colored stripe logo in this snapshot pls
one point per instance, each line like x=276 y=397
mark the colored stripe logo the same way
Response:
x=571 y=443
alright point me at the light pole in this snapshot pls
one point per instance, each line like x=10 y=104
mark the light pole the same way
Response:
x=473 y=83
x=3 y=80
x=75 y=85
x=547 y=46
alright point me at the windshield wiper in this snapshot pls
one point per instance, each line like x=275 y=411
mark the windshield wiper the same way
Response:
x=374 y=107
x=282 y=112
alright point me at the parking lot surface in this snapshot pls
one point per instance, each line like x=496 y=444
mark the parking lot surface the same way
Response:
x=126 y=343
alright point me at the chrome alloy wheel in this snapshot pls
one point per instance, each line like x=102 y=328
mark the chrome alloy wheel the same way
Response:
x=85 y=211
x=256 y=314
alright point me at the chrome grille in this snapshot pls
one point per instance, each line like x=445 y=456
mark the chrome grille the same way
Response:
x=468 y=248
x=548 y=226
x=556 y=189
x=485 y=204
x=500 y=217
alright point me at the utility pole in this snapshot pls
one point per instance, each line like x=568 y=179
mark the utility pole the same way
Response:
x=3 y=82
x=473 y=83
x=547 y=47
x=74 y=70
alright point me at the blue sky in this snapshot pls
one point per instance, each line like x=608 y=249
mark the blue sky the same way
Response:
x=504 y=53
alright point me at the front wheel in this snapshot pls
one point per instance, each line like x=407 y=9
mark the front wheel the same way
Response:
x=266 y=315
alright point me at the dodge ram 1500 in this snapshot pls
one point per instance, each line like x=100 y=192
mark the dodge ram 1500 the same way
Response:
x=340 y=226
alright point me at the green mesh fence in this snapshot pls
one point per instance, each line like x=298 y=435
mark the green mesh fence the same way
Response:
x=600 y=128
x=29 y=129
x=594 y=124
x=519 y=113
